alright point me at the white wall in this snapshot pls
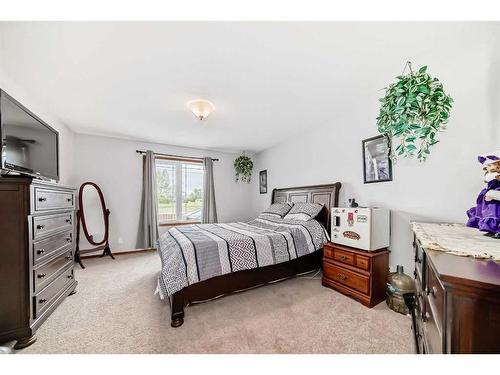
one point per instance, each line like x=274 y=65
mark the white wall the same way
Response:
x=32 y=101
x=114 y=165
x=441 y=189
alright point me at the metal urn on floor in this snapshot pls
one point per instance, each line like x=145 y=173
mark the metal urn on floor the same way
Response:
x=398 y=284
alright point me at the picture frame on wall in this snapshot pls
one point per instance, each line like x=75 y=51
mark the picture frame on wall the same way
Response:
x=263 y=181
x=377 y=163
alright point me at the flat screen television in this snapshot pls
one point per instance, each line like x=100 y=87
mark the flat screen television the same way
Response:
x=29 y=146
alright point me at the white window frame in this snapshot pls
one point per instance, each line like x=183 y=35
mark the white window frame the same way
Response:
x=178 y=192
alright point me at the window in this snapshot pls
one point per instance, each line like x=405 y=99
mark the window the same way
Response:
x=180 y=190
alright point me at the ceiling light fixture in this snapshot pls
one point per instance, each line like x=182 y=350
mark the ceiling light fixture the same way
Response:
x=201 y=108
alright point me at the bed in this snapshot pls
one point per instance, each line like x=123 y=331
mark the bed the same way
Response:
x=201 y=262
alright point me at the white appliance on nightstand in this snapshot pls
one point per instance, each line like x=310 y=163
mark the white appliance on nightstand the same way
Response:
x=364 y=228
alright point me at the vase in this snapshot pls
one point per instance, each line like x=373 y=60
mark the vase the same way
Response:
x=399 y=283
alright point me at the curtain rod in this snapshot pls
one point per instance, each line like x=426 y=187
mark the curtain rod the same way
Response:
x=174 y=156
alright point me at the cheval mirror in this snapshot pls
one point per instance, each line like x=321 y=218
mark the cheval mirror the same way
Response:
x=93 y=218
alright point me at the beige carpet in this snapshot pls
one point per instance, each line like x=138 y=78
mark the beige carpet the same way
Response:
x=115 y=311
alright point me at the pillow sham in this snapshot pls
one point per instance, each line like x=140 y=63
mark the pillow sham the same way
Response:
x=276 y=210
x=304 y=211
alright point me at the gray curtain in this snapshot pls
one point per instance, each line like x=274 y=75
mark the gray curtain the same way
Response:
x=209 y=214
x=148 y=223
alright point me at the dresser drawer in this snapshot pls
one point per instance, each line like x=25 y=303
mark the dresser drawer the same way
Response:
x=48 y=224
x=328 y=252
x=435 y=296
x=363 y=262
x=43 y=249
x=419 y=258
x=44 y=275
x=43 y=299
x=48 y=199
x=431 y=332
x=353 y=280
x=419 y=291
x=418 y=329
x=343 y=256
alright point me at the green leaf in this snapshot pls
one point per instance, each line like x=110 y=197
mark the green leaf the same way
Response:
x=415 y=107
x=423 y=89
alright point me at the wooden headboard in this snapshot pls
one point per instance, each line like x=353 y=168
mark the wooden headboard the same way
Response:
x=325 y=194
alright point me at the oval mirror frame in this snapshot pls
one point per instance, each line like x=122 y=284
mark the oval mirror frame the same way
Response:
x=105 y=214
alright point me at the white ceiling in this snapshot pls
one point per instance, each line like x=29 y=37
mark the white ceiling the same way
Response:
x=268 y=81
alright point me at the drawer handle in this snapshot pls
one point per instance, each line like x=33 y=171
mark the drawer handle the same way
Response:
x=343 y=257
x=68 y=239
x=69 y=257
x=42 y=199
x=40 y=226
x=419 y=260
x=69 y=276
x=69 y=199
x=41 y=275
x=432 y=291
x=42 y=301
x=425 y=316
x=68 y=220
x=341 y=276
x=41 y=251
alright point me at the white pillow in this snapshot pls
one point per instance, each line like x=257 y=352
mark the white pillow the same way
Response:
x=304 y=211
x=277 y=210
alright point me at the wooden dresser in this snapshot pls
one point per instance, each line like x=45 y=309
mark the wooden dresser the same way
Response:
x=36 y=254
x=458 y=299
x=356 y=273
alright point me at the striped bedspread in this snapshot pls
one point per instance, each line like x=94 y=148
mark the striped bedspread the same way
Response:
x=193 y=253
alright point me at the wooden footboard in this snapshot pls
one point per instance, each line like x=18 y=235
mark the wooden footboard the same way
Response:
x=237 y=281
x=177 y=305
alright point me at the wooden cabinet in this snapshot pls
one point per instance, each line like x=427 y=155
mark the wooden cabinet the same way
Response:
x=356 y=273
x=36 y=254
x=457 y=304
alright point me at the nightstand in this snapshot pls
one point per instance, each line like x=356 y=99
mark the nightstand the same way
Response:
x=356 y=273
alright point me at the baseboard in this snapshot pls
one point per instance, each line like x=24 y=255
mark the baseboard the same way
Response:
x=135 y=251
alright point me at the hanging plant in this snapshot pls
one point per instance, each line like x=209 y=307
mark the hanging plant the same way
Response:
x=414 y=109
x=243 y=166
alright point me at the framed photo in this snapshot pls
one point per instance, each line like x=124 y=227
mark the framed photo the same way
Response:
x=263 y=181
x=377 y=164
